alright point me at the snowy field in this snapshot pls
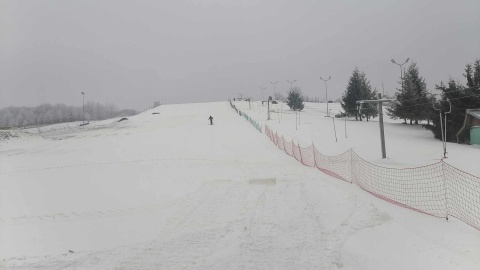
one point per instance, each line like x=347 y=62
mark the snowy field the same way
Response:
x=169 y=191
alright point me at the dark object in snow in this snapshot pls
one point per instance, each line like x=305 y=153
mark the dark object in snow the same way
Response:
x=84 y=124
x=123 y=119
x=71 y=251
x=156 y=113
x=211 y=120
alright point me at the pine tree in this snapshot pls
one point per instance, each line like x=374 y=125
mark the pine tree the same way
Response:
x=359 y=88
x=461 y=98
x=295 y=99
x=412 y=98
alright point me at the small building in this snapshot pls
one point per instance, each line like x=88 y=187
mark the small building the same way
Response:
x=472 y=123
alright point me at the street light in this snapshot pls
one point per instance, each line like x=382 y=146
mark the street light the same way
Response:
x=83 y=111
x=291 y=83
x=326 y=92
x=401 y=71
x=274 y=83
x=263 y=97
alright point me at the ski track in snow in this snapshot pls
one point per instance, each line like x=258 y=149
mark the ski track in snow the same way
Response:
x=267 y=211
x=236 y=225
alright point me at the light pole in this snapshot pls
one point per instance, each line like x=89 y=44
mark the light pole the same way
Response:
x=326 y=92
x=274 y=83
x=83 y=110
x=263 y=88
x=291 y=83
x=401 y=71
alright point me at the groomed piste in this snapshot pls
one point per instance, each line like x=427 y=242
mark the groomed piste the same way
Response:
x=170 y=191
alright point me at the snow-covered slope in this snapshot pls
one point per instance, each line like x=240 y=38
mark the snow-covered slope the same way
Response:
x=169 y=191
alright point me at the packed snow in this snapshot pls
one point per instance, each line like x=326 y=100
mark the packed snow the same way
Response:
x=166 y=190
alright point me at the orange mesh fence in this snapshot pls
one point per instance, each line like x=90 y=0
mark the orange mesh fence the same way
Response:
x=296 y=152
x=281 y=143
x=308 y=159
x=439 y=189
x=288 y=147
x=336 y=166
x=421 y=188
x=463 y=195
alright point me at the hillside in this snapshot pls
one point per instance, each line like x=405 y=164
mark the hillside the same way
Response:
x=166 y=190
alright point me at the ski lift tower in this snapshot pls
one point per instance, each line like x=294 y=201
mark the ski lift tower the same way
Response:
x=378 y=101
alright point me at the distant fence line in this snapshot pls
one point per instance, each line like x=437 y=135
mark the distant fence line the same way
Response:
x=254 y=123
x=439 y=189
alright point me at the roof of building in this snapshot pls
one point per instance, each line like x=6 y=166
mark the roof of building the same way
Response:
x=474 y=112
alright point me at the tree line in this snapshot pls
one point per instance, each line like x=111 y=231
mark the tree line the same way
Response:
x=46 y=114
x=414 y=103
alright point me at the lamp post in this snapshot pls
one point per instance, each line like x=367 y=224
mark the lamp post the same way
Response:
x=274 y=83
x=401 y=71
x=263 y=88
x=83 y=108
x=291 y=83
x=326 y=92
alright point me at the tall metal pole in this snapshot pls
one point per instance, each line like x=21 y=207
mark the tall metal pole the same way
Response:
x=274 y=83
x=296 y=121
x=445 y=142
x=401 y=77
x=291 y=83
x=334 y=129
x=380 y=118
x=268 y=109
x=263 y=97
x=382 y=132
x=326 y=92
x=401 y=70
x=83 y=110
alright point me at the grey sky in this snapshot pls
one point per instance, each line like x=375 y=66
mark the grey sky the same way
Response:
x=133 y=53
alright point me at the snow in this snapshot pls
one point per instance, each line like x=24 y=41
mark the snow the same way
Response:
x=170 y=191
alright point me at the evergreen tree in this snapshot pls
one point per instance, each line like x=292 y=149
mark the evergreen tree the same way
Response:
x=461 y=98
x=412 y=98
x=359 y=88
x=295 y=99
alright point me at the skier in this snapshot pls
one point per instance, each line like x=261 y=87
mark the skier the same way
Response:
x=211 y=120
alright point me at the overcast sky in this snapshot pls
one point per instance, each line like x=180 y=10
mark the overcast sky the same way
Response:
x=133 y=53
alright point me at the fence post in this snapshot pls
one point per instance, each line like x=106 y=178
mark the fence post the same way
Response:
x=313 y=152
x=300 y=150
x=445 y=187
x=293 y=144
x=351 y=166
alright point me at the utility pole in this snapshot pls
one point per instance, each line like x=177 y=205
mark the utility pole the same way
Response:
x=380 y=102
x=326 y=92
